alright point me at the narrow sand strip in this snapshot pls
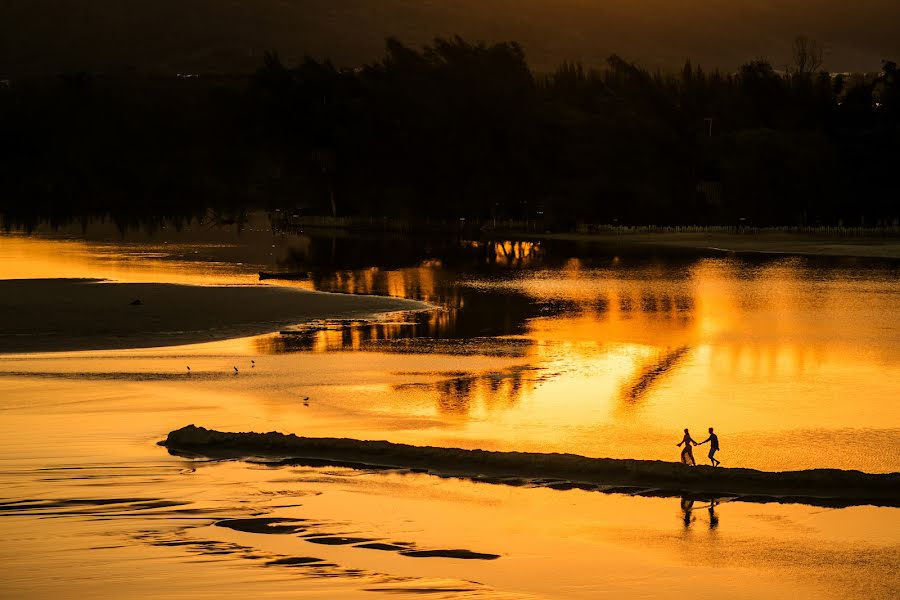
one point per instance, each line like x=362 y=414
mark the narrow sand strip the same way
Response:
x=827 y=487
x=758 y=243
x=47 y=315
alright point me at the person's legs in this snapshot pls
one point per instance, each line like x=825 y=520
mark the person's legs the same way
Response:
x=712 y=457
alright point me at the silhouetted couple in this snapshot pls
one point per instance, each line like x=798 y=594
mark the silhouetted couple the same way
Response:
x=687 y=453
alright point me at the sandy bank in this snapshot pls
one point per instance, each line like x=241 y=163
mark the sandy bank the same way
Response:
x=828 y=487
x=772 y=243
x=43 y=315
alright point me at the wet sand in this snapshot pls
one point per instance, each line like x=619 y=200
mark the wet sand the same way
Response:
x=48 y=315
x=825 y=487
x=766 y=243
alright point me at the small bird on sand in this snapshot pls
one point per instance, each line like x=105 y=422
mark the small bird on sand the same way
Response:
x=306 y=401
x=189 y=370
x=235 y=370
x=252 y=363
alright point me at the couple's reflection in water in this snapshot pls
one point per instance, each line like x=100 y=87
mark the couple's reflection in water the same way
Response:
x=687 y=511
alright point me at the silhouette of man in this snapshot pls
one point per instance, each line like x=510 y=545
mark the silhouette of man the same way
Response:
x=713 y=440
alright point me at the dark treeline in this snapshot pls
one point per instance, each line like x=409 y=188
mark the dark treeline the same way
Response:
x=462 y=130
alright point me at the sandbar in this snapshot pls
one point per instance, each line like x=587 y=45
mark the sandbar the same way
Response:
x=50 y=315
x=823 y=487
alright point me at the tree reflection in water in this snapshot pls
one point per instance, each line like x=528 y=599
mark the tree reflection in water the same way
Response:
x=500 y=299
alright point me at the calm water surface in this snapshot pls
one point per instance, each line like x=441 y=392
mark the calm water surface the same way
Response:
x=601 y=351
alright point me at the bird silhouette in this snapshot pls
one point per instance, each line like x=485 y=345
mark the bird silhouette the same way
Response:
x=235 y=370
x=252 y=363
x=189 y=370
x=306 y=401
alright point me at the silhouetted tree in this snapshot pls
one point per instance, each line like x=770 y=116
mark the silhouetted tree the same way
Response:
x=460 y=130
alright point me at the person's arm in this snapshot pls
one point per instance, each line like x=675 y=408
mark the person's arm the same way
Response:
x=704 y=441
x=680 y=443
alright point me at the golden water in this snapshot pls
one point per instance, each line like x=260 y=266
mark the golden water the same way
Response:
x=794 y=362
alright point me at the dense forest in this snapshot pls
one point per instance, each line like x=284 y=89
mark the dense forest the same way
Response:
x=457 y=129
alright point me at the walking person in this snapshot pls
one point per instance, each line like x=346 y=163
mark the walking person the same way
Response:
x=687 y=454
x=713 y=440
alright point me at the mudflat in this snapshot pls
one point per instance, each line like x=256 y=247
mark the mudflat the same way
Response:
x=46 y=315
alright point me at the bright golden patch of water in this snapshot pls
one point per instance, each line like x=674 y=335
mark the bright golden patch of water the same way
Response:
x=795 y=365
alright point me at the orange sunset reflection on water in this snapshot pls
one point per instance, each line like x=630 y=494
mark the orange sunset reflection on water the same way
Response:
x=608 y=354
x=617 y=355
x=179 y=259
x=530 y=347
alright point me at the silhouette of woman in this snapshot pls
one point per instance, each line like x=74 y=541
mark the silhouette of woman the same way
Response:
x=687 y=454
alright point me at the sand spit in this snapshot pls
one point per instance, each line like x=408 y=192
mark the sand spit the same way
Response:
x=48 y=315
x=826 y=487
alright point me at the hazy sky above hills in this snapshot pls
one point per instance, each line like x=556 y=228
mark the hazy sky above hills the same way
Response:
x=49 y=36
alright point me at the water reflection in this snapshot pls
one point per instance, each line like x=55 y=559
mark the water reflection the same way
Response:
x=467 y=312
x=510 y=253
x=459 y=393
x=624 y=342
x=534 y=347
x=687 y=511
x=713 y=517
x=687 y=508
x=344 y=252
x=416 y=332
x=479 y=307
x=650 y=371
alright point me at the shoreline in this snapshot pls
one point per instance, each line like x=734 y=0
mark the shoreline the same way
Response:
x=742 y=243
x=65 y=315
x=820 y=487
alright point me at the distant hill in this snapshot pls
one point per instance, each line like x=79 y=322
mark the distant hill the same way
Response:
x=49 y=36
